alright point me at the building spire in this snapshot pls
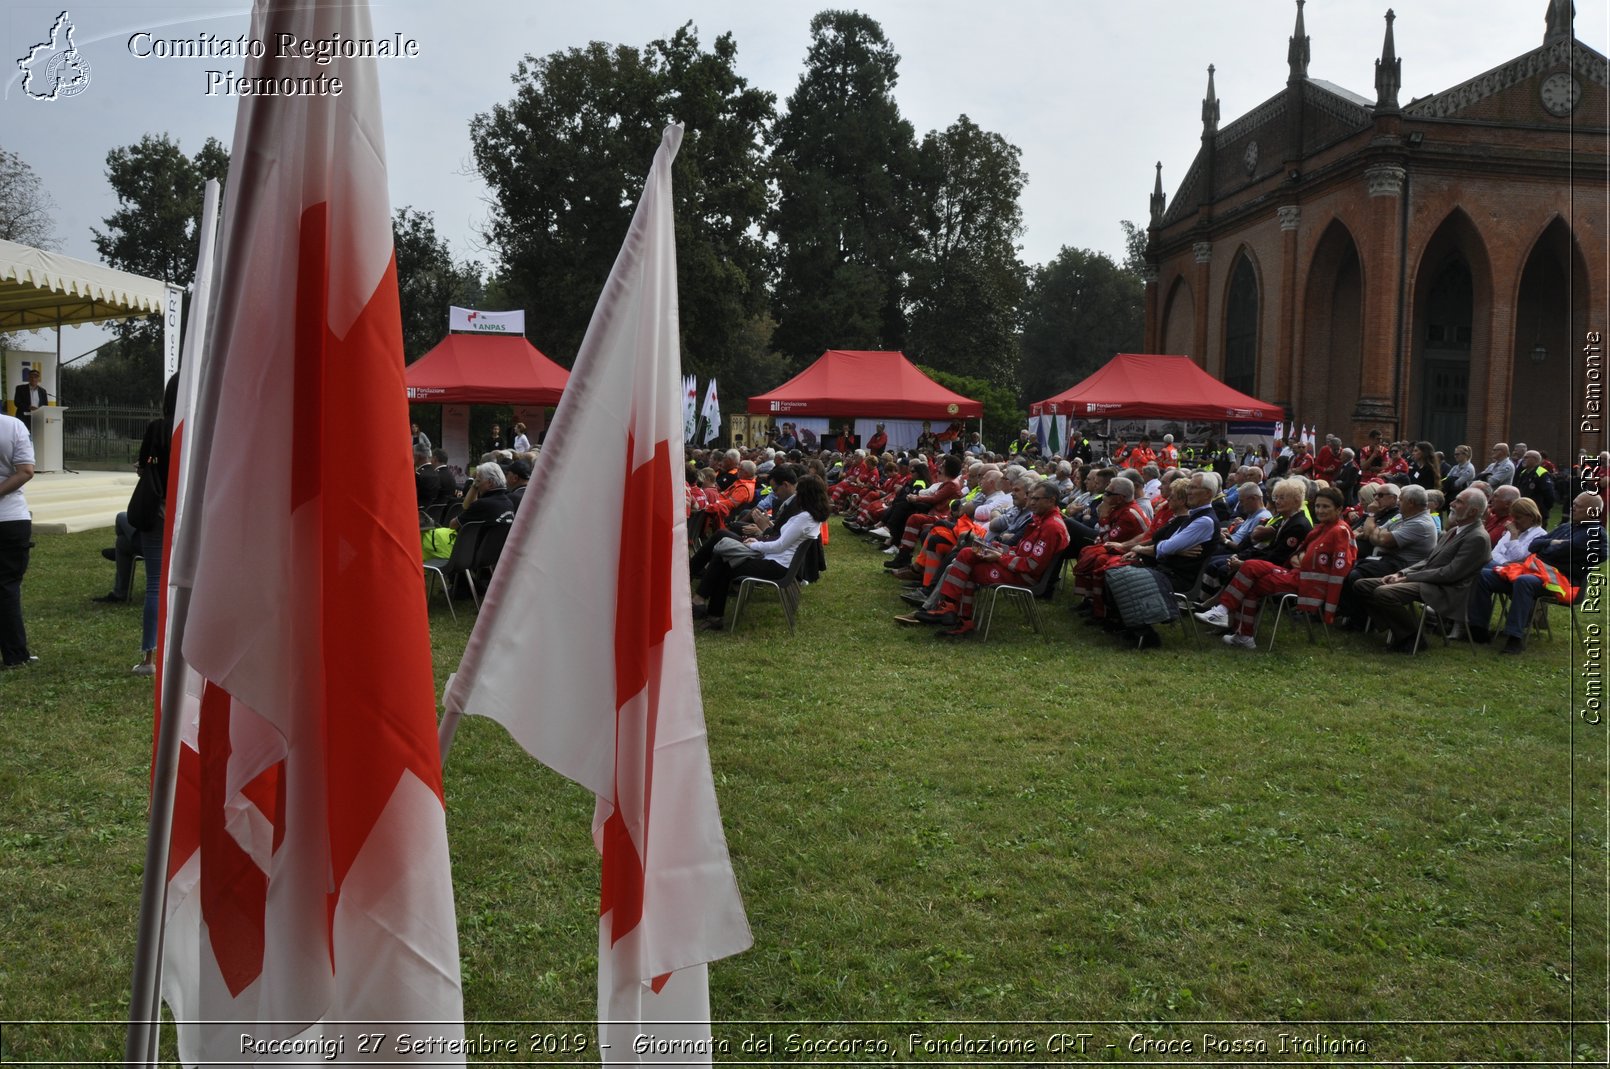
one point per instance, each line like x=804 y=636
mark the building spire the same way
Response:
x=1389 y=71
x=1561 y=21
x=1297 y=50
x=1210 y=107
x=1158 y=199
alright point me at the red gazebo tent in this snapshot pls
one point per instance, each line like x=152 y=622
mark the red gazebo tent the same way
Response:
x=1155 y=387
x=866 y=384
x=486 y=369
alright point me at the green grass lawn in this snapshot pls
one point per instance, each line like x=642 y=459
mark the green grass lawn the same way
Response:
x=1155 y=845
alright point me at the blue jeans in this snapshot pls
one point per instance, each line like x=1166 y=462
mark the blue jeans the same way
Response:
x=149 y=544
x=125 y=551
x=1523 y=594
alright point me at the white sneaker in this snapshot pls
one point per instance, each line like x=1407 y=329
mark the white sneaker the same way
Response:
x=1246 y=642
x=879 y=532
x=143 y=669
x=1218 y=616
x=891 y=551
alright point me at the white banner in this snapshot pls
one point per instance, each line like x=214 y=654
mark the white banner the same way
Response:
x=478 y=322
x=173 y=308
x=456 y=436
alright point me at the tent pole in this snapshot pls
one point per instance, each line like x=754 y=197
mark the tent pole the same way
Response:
x=64 y=465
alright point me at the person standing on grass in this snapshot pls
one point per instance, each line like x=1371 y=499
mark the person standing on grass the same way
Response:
x=147 y=508
x=16 y=538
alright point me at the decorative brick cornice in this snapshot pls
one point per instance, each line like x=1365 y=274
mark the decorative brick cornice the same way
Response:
x=1582 y=59
x=1385 y=180
x=1338 y=107
x=1262 y=115
x=1184 y=202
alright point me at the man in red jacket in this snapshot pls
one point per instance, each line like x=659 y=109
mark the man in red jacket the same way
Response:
x=1021 y=564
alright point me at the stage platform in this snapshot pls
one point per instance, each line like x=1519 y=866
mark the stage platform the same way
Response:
x=67 y=502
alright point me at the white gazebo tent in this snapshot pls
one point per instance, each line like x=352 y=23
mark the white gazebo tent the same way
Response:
x=45 y=289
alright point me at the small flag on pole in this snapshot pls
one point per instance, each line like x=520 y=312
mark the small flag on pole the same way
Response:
x=690 y=407
x=711 y=413
x=584 y=651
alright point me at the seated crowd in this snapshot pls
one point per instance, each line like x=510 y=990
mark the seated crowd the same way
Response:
x=1358 y=537
x=449 y=498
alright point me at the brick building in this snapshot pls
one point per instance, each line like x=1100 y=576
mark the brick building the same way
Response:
x=1433 y=269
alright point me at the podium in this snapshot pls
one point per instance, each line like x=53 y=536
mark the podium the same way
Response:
x=48 y=425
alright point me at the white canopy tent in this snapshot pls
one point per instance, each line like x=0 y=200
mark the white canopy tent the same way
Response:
x=45 y=289
x=40 y=289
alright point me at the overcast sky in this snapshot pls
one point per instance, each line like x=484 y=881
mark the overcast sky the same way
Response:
x=1093 y=92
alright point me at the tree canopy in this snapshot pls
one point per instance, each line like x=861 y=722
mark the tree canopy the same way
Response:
x=26 y=210
x=428 y=281
x=828 y=225
x=966 y=278
x=156 y=232
x=845 y=162
x=566 y=159
x=1081 y=309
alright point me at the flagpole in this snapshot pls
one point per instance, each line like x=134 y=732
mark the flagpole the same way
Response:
x=449 y=725
x=145 y=1003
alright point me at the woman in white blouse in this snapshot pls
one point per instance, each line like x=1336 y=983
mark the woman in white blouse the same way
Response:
x=1525 y=524
x=763 y=557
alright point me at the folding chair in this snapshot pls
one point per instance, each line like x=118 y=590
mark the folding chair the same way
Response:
x=1426 y=612
x=1282 y=603
x=787 y=587
x=698 y=522
x=1185 y=604
x=463 y=556
x=1025 y=597
x=1539 y=624
x=488 y=549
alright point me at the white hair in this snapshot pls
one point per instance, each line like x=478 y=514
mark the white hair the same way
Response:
x=490 y=473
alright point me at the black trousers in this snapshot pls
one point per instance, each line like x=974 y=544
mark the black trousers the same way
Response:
x=16 y=539
x=1351 y=604
x=721 y=573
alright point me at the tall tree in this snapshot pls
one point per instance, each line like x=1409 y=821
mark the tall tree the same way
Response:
x=1081 y=309
x=966 y=278
x=428 y=281
x=156 y=228
x=156 y=232
x=566 y=158
x=1135 y=241
x=844 y=162
x=26 y=210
